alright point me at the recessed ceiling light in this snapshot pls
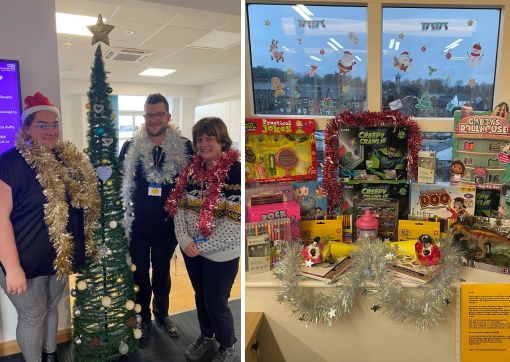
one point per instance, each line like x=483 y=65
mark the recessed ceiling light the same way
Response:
x=157 y=72
x=75 y=24
x=129 y=32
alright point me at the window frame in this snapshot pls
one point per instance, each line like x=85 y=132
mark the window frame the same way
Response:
x=374 y=53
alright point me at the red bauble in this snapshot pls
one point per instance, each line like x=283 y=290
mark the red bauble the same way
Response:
x=448 y=55
x=322 y=51
x=424 y=48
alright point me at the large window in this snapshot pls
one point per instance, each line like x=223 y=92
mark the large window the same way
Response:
x=434 y=61
x=131 y=116
x=308 y=60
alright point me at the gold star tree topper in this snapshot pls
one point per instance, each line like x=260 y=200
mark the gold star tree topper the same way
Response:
x=100 y=31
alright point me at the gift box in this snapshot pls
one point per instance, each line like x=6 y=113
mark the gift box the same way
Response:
x=412 y=230
x=321 y=230
x=311 y=197
x=282 y=210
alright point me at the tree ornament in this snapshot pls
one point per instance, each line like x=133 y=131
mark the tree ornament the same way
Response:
x=99 y=131
x=130 y=305
x=136 y=288
x=104 y=172
x=77 y=340
x=77 y=312
x=138 y=318
x=131 y=322
x=100 y=31
x=104 y=161
x=137 y=333
x=113 y=224
x=138 y=308
x=123 y=348
x=114 y=115
x=87 y=105
x=94 y=342
x=109 y=183
x=106 y=301
x=73 y=292
x=133 y=267
x=82 y=285
x=119 y=280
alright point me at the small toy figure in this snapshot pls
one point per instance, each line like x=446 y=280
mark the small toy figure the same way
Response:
x=480 y=175
x=459 y=208
x=312 y=252
x=427 y=251
x=504 y=155
x=457 y=170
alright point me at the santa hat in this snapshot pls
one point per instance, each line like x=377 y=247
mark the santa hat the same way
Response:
x=404 y=53
x=475 y=52
x=38 y=102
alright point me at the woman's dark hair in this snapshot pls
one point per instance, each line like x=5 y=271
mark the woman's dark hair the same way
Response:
x=28 y=121
x=212 y=126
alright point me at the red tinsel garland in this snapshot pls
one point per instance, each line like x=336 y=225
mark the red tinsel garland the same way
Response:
x=214 y=177
x=365 y=119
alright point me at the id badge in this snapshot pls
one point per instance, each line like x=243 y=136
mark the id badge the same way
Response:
x=200 y=239
x=155 y=190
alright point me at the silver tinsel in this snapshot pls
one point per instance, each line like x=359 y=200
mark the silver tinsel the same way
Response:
x=421 y=306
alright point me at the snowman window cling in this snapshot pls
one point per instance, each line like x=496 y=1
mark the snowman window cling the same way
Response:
x=346 y=62
x=403 y=62
x=475 y=56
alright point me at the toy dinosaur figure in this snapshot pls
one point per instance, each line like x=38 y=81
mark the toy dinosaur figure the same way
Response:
x=481 y=237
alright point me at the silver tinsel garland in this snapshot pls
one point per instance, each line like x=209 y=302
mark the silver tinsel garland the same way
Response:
x=421 y=306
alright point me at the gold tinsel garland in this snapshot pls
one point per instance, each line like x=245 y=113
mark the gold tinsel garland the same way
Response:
x=65 y=171
x=421 y=306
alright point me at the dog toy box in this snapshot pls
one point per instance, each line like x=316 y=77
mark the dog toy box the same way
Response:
x=441 y=202
x=279 y=149
x=282 y=210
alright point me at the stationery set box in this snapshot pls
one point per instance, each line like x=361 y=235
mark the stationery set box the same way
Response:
x=441 y=201
x=485 y=241
x=321 y=230
x=282 y=210
x=311 y=197
x=327 y=272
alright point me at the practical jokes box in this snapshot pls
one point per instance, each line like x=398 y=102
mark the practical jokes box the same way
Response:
x=431 y=201
x=280 y=149
x=277 y=211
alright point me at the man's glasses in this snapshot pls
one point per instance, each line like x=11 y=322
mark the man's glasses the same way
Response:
x=154 y=115
x=48 y=126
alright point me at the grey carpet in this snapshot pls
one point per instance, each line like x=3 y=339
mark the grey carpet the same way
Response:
x=161 y=347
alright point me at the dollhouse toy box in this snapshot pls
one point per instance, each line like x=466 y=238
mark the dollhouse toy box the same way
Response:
x=438 y=201
x=481 y=147
x=280 y=149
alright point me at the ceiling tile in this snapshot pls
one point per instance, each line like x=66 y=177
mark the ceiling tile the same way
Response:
x=175 y=36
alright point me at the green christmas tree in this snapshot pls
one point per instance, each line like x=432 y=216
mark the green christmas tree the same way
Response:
x=424 y=103
x=104 y=314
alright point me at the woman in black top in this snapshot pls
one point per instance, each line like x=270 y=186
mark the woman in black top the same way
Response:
x=48 y=208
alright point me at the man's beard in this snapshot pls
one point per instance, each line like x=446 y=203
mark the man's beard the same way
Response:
x=160 y=132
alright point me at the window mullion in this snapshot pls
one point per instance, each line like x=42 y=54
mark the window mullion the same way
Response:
x=374 y=58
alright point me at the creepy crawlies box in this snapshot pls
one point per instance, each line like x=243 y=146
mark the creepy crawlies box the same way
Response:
x=438 y=201
x=372 y=153
x=279 y=149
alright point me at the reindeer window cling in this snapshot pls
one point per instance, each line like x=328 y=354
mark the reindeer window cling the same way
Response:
x=275 y=53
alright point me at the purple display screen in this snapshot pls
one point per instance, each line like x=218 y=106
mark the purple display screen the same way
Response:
x=10 y=103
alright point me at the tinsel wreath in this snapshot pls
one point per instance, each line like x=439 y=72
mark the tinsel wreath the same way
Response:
x=421 y=306
x=364 y=119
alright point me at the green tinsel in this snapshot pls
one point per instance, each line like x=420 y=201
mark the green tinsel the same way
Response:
x=421 y=306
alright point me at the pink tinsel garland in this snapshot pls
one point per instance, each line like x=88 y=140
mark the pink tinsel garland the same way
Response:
x=214 y=177
x=365 y=119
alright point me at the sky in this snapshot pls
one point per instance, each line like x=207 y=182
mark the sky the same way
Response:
x=347 y=27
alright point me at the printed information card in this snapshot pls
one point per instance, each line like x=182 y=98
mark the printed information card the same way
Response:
x=9 y=103
x=485 y=322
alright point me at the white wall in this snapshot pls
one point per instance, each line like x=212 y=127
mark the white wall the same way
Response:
x=27 y=33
